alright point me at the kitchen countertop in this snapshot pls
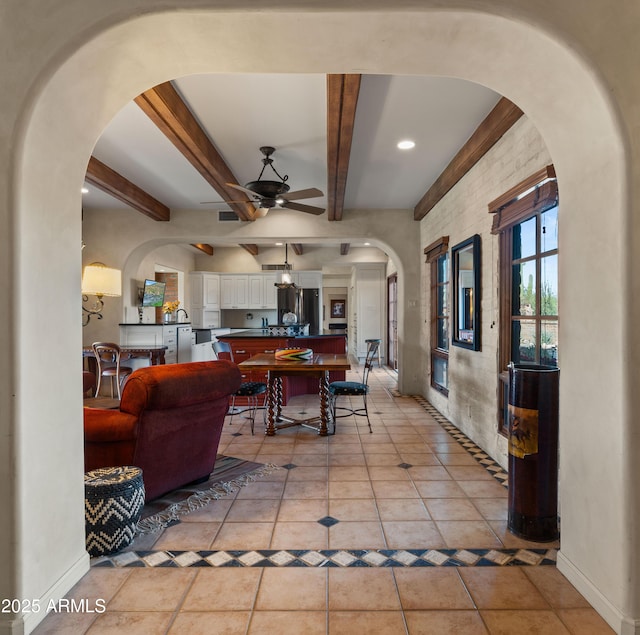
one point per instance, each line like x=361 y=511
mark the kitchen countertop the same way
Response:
x=249 y=333
x=155 y=324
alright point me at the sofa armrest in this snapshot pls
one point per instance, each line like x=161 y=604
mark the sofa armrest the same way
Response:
x=108 y=426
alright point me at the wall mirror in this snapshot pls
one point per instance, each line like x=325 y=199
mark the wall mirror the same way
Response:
x=466 y=293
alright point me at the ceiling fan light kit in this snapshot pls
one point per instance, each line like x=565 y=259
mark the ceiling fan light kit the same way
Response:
x=269 y=194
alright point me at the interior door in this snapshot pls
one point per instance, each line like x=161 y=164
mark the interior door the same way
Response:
x=392 y=318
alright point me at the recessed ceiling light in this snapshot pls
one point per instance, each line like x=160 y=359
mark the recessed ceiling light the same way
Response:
x=367 y=244
x=279 y=244
x=85 y=190
x=406 y=144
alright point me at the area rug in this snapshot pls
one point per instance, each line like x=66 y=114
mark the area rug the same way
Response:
x=229 y=474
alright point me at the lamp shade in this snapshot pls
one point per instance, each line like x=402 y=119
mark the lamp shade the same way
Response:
x=100 y=280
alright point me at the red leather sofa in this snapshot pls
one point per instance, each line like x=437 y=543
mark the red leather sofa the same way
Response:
x=169 y=424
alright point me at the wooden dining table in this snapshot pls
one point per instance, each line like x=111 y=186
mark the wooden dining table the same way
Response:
x=318 y=366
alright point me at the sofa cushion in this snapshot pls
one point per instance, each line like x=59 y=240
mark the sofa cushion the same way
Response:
x=188 y=385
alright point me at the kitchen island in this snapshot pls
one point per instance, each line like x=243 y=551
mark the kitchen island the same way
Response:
x=250 y=342
x=265 y=333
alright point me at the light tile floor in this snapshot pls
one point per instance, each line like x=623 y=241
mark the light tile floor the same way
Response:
x=442 y=503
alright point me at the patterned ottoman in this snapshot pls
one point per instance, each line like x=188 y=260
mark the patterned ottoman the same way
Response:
x=113 y=501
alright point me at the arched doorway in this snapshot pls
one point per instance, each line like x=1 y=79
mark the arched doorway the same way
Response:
x=81 y=95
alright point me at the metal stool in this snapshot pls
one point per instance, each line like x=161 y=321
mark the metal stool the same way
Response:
x=378 y=343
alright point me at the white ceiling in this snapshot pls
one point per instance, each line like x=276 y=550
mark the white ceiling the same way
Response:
x=242 y=112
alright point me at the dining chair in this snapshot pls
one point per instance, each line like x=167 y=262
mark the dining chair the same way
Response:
x=353 y=389
x=249 y=389
x=107 y=356
x=371 y=342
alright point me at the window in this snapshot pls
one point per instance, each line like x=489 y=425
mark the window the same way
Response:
x=439 y=262
x=534 y=289
x=528 y=229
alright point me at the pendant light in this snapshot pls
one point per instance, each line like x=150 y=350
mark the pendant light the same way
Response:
x=286 y=280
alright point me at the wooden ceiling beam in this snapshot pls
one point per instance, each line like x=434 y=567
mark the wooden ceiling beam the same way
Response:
x=298 y=248
x=164 y=106
x=496 y=123
x=342 y=100
x=254 y=250
x=114 y=184
x=344 y=249
x=207 y=249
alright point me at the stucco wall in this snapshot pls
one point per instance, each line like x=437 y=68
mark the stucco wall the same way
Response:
x=571 y=66
x=103 y=243
x=472 y=401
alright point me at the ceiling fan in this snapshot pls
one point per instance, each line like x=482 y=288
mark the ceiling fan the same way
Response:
x=270 y=194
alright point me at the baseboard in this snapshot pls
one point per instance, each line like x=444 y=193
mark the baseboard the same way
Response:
x=11 y=625
x=61 y=587
x=620 y=623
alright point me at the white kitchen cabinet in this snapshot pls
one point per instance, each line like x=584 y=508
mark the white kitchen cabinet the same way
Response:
x=262 y=291
x=141 y=335
x=202 y=352
x=256 y=291
x=205 y=290
x=270 y=297
x=152 y=335
x=234 y=291
x=170 y=340
x=205 y=318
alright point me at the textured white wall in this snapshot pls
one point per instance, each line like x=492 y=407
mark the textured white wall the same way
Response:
x=472 y=401
x=574 y=74
x=104 y=243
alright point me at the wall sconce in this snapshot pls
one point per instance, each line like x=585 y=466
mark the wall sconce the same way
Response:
x=99 y=280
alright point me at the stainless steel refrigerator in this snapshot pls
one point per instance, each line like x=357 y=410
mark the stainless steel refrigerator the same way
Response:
x=305 y=303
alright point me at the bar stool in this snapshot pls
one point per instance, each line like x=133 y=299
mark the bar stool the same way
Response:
x=377 y=342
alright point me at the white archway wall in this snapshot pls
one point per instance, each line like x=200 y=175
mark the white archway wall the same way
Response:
x=562 y=99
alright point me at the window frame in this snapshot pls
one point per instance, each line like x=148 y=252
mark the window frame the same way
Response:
x=434 y=252
x=529 y=199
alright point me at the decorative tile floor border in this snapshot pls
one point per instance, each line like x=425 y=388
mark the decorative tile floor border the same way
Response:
x=343 y=558
x=477 y=453
x=351 y=557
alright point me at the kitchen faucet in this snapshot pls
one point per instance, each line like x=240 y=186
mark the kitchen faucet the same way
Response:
x=186 y=315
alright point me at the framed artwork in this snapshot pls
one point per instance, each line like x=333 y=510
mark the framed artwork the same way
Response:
x=337 y=308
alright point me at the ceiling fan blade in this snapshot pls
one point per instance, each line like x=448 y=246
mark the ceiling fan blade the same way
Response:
x=309 y=209
x=243 y=189
x=312 y=192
